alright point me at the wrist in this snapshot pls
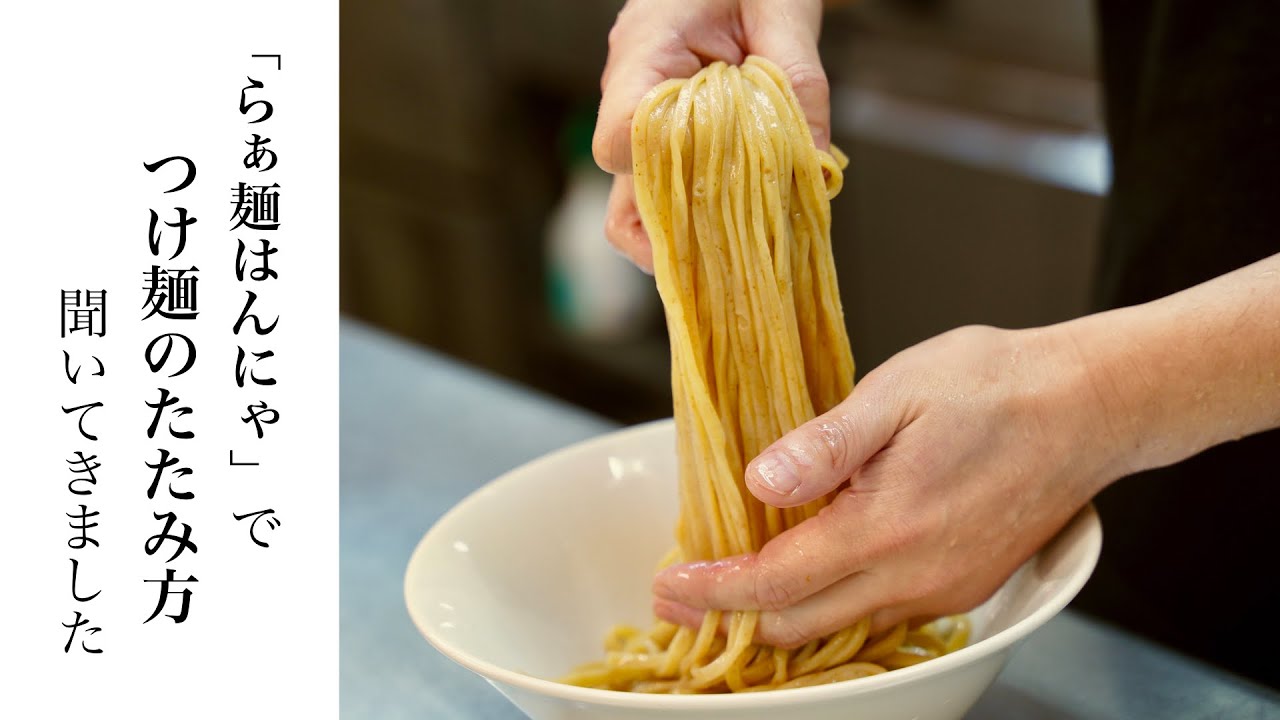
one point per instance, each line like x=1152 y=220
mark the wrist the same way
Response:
x=1109 y=384
x=1083 y=403
x=1164 y=379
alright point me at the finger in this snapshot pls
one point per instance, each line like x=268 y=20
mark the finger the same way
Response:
x=839 y=541
x=631 y=71
x=885 y=619
x=838 y=607
x=835 y=608
x=622 y=225
x=816 y=457
x=827 y=613
x=787 y=34
x=680 y=614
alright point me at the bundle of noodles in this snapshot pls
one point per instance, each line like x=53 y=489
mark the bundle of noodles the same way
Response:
x=735 y=198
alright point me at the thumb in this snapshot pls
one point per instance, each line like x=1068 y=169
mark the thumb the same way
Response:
x=816 y=457
x=787 y=34
x=631 y=72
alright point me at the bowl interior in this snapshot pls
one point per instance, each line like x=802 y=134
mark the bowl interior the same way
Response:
x=529 y=572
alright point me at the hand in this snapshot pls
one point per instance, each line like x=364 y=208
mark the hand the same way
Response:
x=963 y=455
x=654 y=40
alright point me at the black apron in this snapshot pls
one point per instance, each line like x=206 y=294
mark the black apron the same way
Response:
x=1192 y=97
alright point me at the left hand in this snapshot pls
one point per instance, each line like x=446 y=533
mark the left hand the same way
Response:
x=655 y=40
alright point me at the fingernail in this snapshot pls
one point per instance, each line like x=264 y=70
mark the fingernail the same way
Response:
x=678 y=613
x=665 y=581
x=820 y=139
x=662 y=585
x=777 y=472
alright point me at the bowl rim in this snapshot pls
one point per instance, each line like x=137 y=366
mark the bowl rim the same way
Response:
x=992 y=645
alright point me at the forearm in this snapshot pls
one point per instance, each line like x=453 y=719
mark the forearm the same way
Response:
x=1189 y=371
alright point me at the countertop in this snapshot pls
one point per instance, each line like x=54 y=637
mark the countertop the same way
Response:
x=419 y=432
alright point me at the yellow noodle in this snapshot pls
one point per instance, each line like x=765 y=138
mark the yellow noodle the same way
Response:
x=736 y=202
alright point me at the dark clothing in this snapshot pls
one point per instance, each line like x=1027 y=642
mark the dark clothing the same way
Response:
x=1191 y=553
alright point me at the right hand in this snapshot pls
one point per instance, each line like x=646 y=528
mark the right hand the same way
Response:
x=963 y=455
x=654 y=40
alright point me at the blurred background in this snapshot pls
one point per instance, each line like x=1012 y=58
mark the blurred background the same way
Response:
x=472 y=213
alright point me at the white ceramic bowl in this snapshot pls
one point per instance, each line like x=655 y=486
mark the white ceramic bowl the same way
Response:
x=521 y=580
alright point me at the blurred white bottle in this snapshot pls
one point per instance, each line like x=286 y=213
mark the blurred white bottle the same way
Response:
x=594 y=292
